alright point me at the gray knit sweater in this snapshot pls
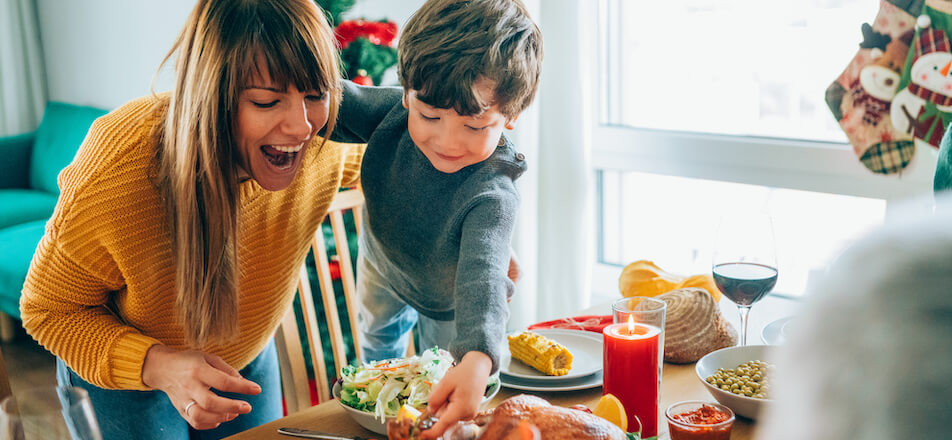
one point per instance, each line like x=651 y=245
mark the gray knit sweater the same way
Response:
x=441 y=240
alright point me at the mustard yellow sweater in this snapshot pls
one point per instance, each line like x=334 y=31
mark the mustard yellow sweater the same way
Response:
x=100 y=290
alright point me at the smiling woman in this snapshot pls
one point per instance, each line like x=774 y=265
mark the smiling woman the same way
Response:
x=183 y=221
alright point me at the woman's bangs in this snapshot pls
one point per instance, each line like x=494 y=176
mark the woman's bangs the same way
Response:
x=292 y=60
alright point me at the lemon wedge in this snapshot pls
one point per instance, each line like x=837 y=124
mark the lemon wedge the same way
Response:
x=611 y=409
x=408 y=412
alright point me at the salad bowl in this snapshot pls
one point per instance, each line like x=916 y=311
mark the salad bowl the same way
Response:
x=393 y=383
x=369 y=421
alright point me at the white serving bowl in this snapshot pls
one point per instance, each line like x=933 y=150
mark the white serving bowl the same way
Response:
x=371 y=422
x=731 y=357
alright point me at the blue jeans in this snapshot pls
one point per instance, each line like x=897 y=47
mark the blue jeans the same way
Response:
x=385 y=320
x=148 y=415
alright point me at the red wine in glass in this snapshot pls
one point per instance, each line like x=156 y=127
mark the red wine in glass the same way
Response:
x=744 y=264
x=744 y=283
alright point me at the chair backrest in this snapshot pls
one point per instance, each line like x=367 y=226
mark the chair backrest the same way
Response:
x=291 y=358
x=294 y=374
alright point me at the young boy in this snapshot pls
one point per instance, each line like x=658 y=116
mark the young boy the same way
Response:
x=438 y=178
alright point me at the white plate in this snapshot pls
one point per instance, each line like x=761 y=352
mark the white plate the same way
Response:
x=584 y=383
x=586 y=348
x=773 y=333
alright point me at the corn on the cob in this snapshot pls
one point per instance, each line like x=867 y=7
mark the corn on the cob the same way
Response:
x=541 y=353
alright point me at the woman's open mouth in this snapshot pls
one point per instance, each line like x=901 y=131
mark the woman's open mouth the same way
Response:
x=281 y=157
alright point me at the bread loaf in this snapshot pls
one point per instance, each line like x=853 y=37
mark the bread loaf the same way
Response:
x=693 y=326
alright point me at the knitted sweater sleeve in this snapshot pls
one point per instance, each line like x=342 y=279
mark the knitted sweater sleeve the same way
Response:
x=64 y=308
x=74 y=279
x=362 y=109
x=351 y=171
x=481 y=282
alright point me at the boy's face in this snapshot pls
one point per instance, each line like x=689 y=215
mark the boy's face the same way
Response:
x=450 y=141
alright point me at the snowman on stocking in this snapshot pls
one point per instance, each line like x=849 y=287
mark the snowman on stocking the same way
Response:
x=924 y=107
x=861 y=97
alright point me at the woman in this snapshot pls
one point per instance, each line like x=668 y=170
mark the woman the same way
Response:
x=182 y=224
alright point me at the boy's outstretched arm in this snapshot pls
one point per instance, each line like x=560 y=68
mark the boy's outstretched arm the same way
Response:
x=361 y=111
x=458 y=395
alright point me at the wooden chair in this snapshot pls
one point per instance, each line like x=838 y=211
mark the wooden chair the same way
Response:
x=294 y=374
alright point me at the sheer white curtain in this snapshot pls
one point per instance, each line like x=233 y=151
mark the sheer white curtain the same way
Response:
x=22 y=76
x=553 y=236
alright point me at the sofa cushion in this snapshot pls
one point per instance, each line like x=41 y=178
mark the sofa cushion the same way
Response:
x=24 y=205
x=62 y=130
x=17 y=245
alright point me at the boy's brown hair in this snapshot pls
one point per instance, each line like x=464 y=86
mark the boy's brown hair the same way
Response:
x=447 y=45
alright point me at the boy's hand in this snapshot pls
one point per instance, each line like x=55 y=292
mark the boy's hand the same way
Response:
x=457 y=396
x=513 y=272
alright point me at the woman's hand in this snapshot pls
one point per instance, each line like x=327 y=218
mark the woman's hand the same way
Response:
x=186 y=376
x=457 y=396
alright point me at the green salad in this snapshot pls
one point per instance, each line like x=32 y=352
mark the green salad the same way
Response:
x=383 y=387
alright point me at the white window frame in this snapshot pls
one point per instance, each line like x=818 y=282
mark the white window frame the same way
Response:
x=826 y=167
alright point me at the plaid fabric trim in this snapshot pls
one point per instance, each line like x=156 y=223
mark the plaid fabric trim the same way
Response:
x=888 y=157
x=933 y=97
x=933 y=40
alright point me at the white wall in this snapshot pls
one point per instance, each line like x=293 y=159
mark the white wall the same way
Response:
x=103 y=53
x=398 y=11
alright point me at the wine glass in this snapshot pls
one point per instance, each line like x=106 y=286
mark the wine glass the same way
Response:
x=49 y=412
x=745 y=261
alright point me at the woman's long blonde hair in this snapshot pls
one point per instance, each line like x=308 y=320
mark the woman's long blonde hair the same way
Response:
x=222 y=47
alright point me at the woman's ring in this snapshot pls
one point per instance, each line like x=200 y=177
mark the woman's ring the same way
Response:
x=188 y=407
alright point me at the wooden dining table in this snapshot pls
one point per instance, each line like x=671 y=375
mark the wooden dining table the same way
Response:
x=678 y=383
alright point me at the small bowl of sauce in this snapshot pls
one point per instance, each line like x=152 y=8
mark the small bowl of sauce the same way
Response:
x=697 y=420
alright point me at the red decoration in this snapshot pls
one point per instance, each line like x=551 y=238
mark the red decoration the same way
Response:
x=592 y=323
x=363 y=80
x=378 y=32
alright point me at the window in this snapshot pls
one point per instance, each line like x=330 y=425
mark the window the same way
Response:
x=708 y=103
x=740 y=67
x=673 y=221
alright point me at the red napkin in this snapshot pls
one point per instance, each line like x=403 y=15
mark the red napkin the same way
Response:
x=592 y=323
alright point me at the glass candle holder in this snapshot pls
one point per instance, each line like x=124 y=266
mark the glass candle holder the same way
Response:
x=633 y=353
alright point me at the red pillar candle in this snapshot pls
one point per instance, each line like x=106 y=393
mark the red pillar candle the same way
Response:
x=632 y=366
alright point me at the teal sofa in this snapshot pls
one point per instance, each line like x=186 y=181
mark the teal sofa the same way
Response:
x=28 y=190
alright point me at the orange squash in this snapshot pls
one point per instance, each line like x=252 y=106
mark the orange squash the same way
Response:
x=644 y=278
x=704 y=281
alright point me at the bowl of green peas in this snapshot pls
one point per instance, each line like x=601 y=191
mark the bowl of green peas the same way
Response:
x=739 y=377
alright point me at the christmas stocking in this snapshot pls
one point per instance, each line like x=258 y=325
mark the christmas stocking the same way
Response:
x=923 y=106
x=862 y=95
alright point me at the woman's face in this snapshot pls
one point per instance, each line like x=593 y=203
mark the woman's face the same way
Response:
x=274 y=127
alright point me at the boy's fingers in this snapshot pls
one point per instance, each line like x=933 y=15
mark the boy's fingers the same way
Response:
x=447 y=419
x=438 y=396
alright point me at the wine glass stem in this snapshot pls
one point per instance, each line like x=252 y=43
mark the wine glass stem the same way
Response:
x=744 y=310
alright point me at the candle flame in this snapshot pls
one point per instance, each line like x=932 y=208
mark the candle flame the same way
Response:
x=631 y=324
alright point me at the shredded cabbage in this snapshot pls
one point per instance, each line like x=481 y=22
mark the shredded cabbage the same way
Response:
x=383 y=387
